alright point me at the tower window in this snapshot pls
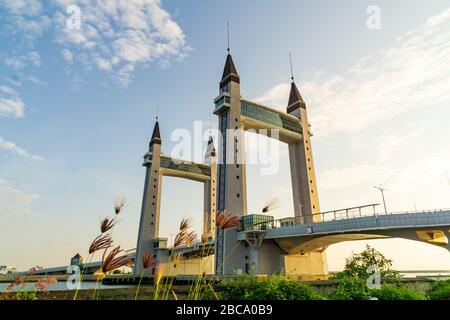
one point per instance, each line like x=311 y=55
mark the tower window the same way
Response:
x=237 y=166
x=238 y=195
x=237 y=177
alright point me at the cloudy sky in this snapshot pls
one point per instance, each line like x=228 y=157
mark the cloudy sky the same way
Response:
x=77 y=107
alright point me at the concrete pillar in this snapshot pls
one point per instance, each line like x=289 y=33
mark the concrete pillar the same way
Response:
x=232 y=192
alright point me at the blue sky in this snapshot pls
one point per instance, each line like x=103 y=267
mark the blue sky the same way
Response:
x=77 y=108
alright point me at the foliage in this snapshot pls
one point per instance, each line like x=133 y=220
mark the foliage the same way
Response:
x=396 y=292
x=351 y=289
x=19 y=290
x=440 y=291
x=270 y=288
x=357 y=265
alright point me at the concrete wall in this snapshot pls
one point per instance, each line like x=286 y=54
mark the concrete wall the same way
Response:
x=189 y=266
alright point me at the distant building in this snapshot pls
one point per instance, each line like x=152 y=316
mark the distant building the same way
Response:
x=76 y=260
x=7 y=269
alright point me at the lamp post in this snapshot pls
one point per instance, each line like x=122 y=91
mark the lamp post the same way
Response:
x=382 y=195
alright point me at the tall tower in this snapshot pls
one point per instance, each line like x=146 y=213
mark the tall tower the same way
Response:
x=304 y=187
x=149 y=223
x=232 y=192
x=210 y=204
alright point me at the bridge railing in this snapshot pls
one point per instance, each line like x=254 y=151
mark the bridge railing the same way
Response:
x=334 y=215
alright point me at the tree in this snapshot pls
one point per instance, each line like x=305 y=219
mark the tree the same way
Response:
x=357 y=265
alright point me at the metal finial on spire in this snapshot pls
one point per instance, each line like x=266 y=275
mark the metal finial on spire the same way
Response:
x=228 y=36
x=210 y=123
x=292 y=71
x=157 y=108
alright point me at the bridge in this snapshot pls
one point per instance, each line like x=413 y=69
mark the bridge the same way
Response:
x=291 y=238
x=428 y=226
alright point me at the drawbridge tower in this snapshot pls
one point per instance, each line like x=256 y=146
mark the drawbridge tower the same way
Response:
x=157 y=166
x=236 y=115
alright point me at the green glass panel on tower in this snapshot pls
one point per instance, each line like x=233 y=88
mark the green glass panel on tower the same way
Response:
x=274 y=118
x=168 y=163
x=256 y=222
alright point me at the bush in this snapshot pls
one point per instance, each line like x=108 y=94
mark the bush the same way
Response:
x=270 y=288
x=358 y=264
x=351 y=289
x=440 y=291
x=395 y=292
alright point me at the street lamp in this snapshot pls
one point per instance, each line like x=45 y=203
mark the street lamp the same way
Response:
x=382 y=195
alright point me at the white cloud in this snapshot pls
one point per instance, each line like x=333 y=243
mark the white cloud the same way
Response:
x=7 y=90
x=353 y=176
x=116 y=35
x=35 y=80
x=25 y=19
x=13 y=107
x=67 y=55
x=410 y=74
x=11 y=146
x=21 y=61
x=14 y=203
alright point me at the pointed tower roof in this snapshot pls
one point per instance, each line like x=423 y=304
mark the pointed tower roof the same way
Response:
x=229 y=71
x=156 y=136
x=295 y=99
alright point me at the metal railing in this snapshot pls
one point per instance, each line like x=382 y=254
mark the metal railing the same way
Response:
x=335 y=215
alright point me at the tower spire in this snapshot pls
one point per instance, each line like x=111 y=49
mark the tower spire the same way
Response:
x=228 y=36
x=229 y=70
x=292 y=70
x=295 y=99
x=156 y=135
x=157 y=108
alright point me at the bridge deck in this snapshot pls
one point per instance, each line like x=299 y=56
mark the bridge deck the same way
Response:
x=375 y=222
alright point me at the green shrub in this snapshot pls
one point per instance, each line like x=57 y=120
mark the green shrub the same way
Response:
x=440 y=291
x=357 y=265
x=351 y=289
x=395 y=292
x=270 y=288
